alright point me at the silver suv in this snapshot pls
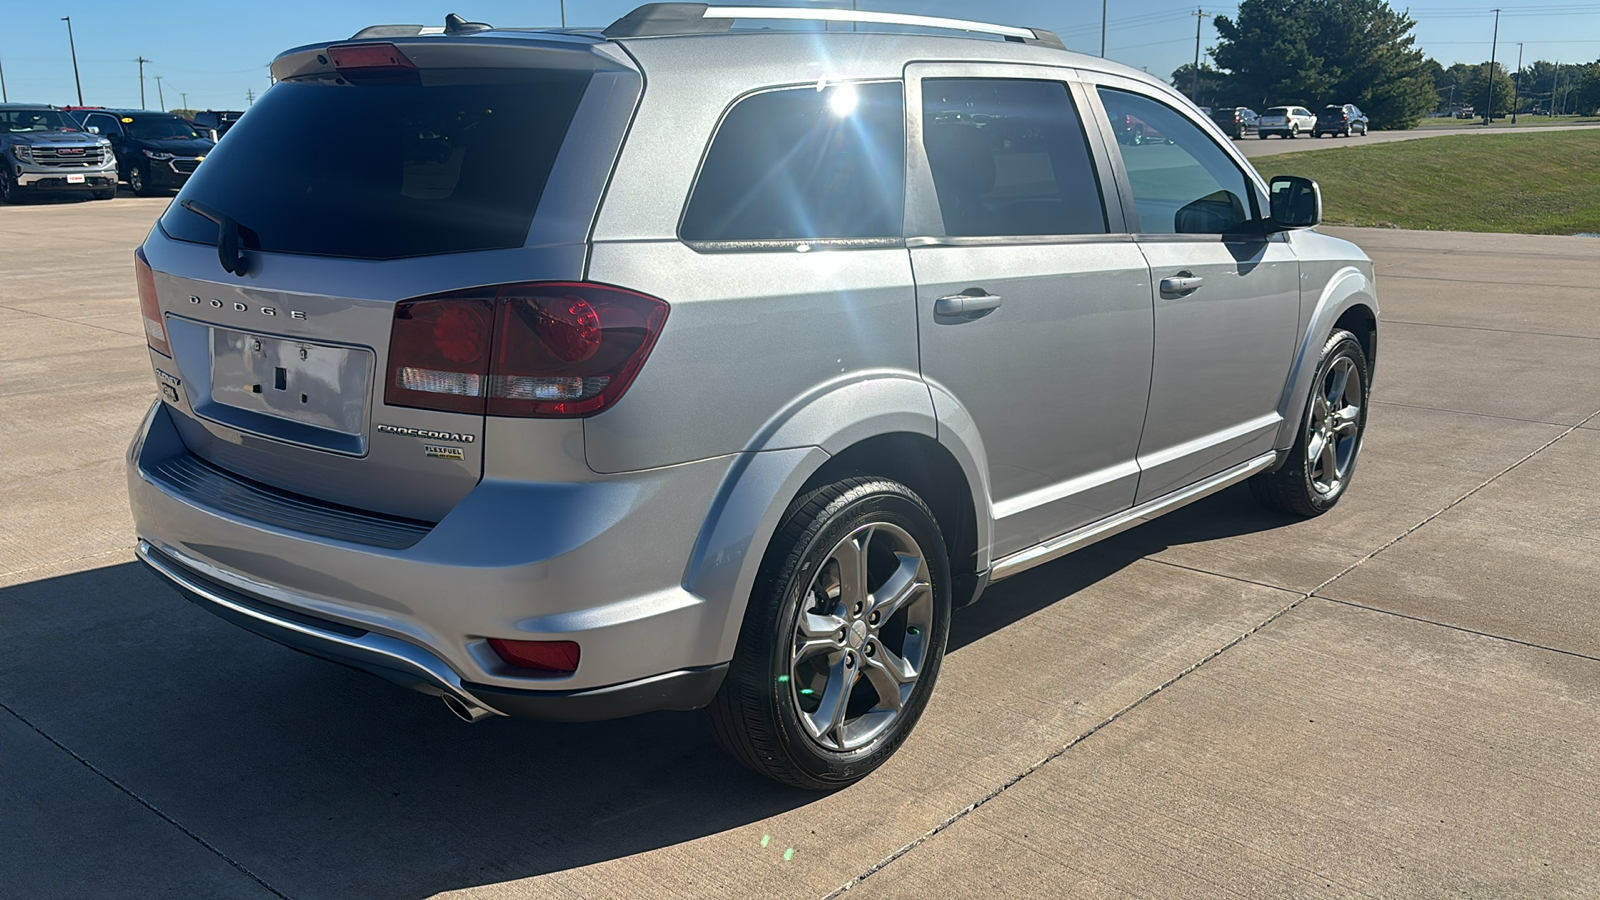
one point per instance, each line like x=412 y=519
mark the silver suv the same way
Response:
x=583 y=374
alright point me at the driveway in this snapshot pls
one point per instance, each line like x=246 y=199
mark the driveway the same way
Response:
x=1397 y=699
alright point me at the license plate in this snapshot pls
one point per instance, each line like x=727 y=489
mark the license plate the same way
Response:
x=74 y=179
x=318 y=384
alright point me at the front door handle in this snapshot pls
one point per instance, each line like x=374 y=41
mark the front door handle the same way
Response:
x=1181 y=283
x=965 y=304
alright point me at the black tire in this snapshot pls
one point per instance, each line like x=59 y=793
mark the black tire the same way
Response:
x=1294 y=488
x=756 y=716
x=10 y=192
x=139 y=181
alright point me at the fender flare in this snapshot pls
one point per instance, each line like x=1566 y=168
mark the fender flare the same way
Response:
x=1349 y=287
x=766 y=477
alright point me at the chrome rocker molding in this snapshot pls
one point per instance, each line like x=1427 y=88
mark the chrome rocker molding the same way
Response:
x=378 y=649
x=1056 y=547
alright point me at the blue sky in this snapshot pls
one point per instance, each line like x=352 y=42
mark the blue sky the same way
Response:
x=215 y=53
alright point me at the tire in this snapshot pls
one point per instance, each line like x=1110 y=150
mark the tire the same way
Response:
x=139 y=181
x=1294 y=132
x=1309 y=484
x=1261 y=135
x=766 y=715
x=10 y=192
x=1138 y=136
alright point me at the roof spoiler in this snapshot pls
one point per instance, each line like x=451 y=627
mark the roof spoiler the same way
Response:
x=661 y=19
x=453 y=24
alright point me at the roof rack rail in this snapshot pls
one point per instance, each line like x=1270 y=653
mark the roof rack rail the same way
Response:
x=661 y=19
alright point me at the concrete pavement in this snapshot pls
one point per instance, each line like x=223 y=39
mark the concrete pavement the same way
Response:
x=1396 y=699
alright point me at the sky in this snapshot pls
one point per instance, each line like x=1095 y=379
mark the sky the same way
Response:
x=216 y=55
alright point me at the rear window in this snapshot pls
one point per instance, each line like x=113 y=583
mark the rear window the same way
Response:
x=804 y=164
x=381 y=171
x=1278 y=111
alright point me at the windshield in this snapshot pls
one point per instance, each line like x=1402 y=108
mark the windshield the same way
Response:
x=19 y=121
x=149 y=128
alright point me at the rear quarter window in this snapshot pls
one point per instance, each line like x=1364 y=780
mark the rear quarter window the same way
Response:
x=804 y=164
x=455 y=163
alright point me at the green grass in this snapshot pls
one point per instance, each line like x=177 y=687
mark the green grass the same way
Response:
x=1523 y=121
x=1540 y=183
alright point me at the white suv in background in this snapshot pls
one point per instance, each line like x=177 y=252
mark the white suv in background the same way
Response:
x=1287 y=121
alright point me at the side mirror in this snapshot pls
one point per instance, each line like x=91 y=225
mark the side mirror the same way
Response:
x=1296 y=202
x=94 y=129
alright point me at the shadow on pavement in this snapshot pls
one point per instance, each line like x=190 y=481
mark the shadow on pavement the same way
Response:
x=331 y=782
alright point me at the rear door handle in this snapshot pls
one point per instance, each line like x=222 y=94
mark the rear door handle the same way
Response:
x=1181 y=283
x=965 y=304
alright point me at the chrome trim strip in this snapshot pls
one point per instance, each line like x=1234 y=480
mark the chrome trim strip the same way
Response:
x=1056 y=547
x=846 y=15
x=1178 y=451
x=1064 y=489
x=406 y=655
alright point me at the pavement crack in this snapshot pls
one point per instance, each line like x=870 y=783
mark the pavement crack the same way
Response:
x=146 y=804
x=1554 y=334
x=1463 y=412
x=1461 y=628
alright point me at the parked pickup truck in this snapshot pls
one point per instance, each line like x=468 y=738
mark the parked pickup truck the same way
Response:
x=43 y=148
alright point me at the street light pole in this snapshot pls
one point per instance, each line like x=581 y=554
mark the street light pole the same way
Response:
x=1488 y=111
x=4 y=97
x=1516 y=91
x=160 y=97
x=74 y=46
x=1104 y=5
x=141 y=62
x=563 y=13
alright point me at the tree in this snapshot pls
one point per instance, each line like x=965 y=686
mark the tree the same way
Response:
x=1586 y=95
x=1313 y=52
x=1472 y=86
x=1212 y=85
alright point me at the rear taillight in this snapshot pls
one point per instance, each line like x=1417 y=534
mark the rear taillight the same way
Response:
x=155 y=330
x=545 y=349
x=546 y=657
x=377 y=63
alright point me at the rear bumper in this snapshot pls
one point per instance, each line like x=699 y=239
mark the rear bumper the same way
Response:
x=601 y=563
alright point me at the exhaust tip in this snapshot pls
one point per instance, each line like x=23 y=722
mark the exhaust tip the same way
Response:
x=466 y=712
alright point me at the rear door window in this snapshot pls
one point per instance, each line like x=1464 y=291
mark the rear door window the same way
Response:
x=1009 y=157
x=454 y=162
x=804 y=164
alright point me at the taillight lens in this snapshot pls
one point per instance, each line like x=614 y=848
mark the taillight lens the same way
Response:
x=155 y=330
x=547 y=657
x=544 y=349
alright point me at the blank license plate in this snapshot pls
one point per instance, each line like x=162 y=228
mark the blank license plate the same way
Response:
x=317 y=384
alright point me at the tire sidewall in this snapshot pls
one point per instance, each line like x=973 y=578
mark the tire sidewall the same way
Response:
x=1339 y=344
x=861 y=507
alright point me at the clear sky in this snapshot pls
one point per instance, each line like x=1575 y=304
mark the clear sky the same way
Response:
x=215 y=53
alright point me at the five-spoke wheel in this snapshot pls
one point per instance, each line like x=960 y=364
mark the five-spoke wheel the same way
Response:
x=1318 y=468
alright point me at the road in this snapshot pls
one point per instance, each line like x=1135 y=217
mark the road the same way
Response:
x=1252 y=146
x=1398 y=699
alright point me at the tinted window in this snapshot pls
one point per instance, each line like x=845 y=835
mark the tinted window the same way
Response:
x=804 y=164
x=1182 y=182
x=1009 y=157
x=160 y=128
x=377 y=171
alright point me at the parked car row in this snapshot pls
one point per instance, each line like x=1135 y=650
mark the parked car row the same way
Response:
x=1291 y=121
x=47 y=149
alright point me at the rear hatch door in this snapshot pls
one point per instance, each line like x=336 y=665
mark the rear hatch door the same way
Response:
x=468 y=161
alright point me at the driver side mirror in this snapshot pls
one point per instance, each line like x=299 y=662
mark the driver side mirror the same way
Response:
x=1296 y=202
x=94 y=129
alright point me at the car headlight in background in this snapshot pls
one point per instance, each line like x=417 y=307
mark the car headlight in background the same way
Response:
x=156 y=154
x=24 y=152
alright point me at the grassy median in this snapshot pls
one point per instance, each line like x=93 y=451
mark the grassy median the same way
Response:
x=1542 y=183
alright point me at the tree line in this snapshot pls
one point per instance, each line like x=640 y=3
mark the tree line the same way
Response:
x=1316 y=52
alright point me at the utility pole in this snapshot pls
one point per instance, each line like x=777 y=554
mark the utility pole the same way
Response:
x=1200 y=16
x=563 y=13
x=74 y=46
x=1516 y=91
x=250 y=96
x=4 y=97
x=141 y=62
x=185 y=100
x=160 y=97
x=1488 y=111
x=1104 y=4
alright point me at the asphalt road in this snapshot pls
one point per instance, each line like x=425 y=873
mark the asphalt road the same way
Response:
x=1253 y=146
x=1398 y=699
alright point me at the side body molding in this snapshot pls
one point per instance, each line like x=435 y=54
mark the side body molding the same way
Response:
x=1348 y=287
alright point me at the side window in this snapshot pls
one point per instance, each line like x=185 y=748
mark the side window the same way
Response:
x=1009 y=157
x=804 y=164
x=1182 y=183
x=108 y=125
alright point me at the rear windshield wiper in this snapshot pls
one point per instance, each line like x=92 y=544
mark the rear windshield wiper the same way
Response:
x=228 y=250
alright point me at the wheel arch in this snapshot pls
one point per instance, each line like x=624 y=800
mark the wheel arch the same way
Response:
x=1348 y=301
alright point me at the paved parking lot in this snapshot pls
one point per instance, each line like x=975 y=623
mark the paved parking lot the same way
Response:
x=1398 y=699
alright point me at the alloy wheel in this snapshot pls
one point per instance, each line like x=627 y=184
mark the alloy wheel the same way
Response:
x=1335 y=426
x=136 y=180
x=861 y=637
